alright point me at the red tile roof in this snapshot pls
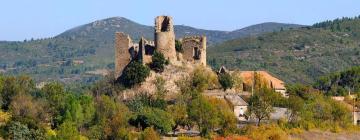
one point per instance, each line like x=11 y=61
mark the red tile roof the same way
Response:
x=248 y=76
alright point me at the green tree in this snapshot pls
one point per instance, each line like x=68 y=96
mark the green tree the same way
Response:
x=180 y=115
x=142 y=100
x=67 y=131
x=79 y=109
x=24 y=106
x=134 y=73
x=203 y=78
x=55 y=94
x=227 y=119
x=226 y=81
x=295 y=104
x=88 y=106
x=155 y=117
x=18 y=131
x=204 y=114
x=158 y=62
x=106 y=108
x=13 y=86
x=260 y=107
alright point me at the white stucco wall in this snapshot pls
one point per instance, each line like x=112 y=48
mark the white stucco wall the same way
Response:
x=356 y=117
x=239 y=112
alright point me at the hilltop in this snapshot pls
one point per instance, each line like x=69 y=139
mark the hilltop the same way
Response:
x=103 y=30
x=296 y=55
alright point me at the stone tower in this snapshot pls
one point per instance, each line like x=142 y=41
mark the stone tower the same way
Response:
x=165 y=37
x=122 y=56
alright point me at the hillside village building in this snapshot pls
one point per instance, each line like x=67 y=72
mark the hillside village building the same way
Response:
x=248 y=78
x=272 y=82
x=238 y=105
x=194 y=48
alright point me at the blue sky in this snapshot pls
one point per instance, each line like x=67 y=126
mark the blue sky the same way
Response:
x=25 y=19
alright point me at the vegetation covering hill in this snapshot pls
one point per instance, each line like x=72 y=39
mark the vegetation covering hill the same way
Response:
x=340 y=83
x=100 y=112
x=296 y=55
x=104 y=30
x=81 y=52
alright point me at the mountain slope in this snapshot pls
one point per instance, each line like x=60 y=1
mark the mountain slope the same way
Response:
x=104 y=30
x=258 y=29
x=79 y=52
x=296 y=55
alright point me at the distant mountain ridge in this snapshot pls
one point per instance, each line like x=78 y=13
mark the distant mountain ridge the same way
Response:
x=105 y=29
x=265 y=27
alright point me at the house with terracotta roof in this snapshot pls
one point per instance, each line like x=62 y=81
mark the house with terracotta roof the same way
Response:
x=271 y=81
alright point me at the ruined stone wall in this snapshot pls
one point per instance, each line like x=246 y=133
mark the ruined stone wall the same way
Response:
x=146 y=50
x=122 y=55
x=203 y=53
x=126 y=51
x=194 y=49
x=141 y=52
x=165 y=37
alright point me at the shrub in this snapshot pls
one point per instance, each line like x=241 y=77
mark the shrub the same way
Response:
x=134 y=73
x=150 y=134
x=203 y=78
x=68 y=130
x=266 y=132
x=260 y=105
x=226 y=81
x=178 y=46
x=188 y=138
x=16 y=130
x=158 y=62
x=155 y=117
x=205 y=114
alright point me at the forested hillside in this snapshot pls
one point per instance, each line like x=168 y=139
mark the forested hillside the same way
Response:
x=86 y=52
x=296 y=55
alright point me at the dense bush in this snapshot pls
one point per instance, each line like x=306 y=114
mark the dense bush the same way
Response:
x=56 y=112
x=266 y=132
x=311 y=109
x=338 y=84
x=178 y=46
x=203 y=78
x=226 y=81
x=134 y=73
x=155 y=117
x=150 y=134
x=158 y=62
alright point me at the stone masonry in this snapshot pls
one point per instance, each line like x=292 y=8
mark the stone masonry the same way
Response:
x=194 y=48
x=122 y=55
x=165 y=37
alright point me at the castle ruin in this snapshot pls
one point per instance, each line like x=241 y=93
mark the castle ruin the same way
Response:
x=194 y=47
x=165 y=37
